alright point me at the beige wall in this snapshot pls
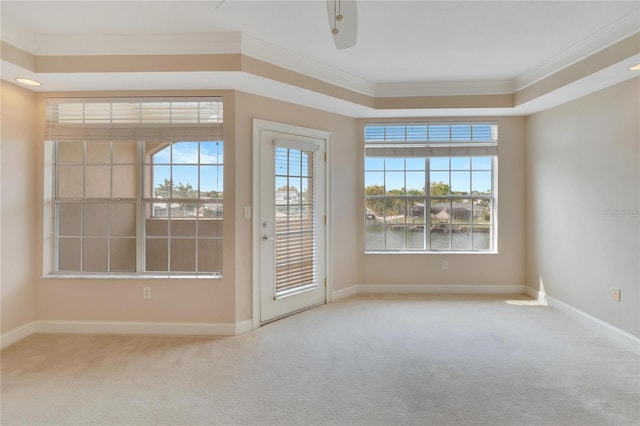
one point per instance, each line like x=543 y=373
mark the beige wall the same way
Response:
x=18 y=206
x=583 y=200
x=504 y=268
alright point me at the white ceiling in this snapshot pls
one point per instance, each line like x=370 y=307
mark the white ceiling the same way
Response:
x=408 y=47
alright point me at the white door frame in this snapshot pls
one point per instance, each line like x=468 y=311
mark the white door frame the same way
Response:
x=258 y=127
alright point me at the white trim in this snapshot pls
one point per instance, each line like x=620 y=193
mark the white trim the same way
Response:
x=328 y=240
x=243 y=326
x=125 y=327
x=17 y=334
x=211 y=43
x=621 y=337
x=444 y=88
x=240 y=43
x=533 y=293
x=137 y=327
x=610 y=35
x=18 y=37
x=237 y=42
x=345 y=292
x=276 y=55
x=256 y=201
x=442 y=288
x=283 y=143
x=260 y=125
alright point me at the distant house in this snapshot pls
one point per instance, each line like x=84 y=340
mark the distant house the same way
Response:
x=290 y=196
x=215 y=209
x=160 y=210
x=442 y=211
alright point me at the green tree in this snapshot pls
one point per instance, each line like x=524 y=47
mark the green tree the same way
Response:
x=163 y=190
x=440 y=188
x=375 y=205
x=396 y=205
x=415 y=207
x=183 y=191
x=210 y=194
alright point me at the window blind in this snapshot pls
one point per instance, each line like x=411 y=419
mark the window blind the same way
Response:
x=296 y=250
x=431 y=140
x=75 y=119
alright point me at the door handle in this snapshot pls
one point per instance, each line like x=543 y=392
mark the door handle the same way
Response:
x=265 y=238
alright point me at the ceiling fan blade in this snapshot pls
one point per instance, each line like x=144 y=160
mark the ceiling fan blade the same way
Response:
x=347 y=28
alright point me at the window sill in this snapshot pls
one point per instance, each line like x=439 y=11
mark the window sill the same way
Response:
x=84 y=276
x=422 y=252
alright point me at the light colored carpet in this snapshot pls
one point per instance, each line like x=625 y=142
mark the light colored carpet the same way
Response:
x=369 y=359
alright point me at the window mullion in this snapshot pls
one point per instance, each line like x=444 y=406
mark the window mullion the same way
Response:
x=109 y=204
x=169 y=215
x=199 y=198
x=84 y=197
x=427 y=205
x=56 y=215
x=140 y=211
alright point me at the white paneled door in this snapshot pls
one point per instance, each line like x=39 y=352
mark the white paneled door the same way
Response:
x=289 y=225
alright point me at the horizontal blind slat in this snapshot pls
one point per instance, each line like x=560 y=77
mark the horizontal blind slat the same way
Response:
x=133 y=119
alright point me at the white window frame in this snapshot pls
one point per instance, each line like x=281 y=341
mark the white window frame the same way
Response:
x=429 y=140
x=181 y=119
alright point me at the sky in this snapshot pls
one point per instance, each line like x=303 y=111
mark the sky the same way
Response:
x=182 y=157
x=462 y=174
x=467 y=174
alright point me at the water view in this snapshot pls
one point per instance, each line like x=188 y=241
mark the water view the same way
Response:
x=380 y=236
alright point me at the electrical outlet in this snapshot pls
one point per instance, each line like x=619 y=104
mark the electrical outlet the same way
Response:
x=445 y=264
x=615 y=294
x=146 y=292
x=247 y=212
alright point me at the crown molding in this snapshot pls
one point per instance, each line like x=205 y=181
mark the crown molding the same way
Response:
x=236 y=42
x=619 y=30
x=18 y=37
x=288 y=71
x=183 y=44
x=284 y=58
x=448 y=88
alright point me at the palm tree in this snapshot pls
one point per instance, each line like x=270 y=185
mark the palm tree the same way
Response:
x=164 y=190
x=185 y=192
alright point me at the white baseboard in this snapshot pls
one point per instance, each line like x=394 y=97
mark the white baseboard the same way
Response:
x=624 y=339
x=131 y=327
x=244 y=326
x=345 y=292
x=441 y=288
x=125 y=327
x=17 y=334
x=535 y=294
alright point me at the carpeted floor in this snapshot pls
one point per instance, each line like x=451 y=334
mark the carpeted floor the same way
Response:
x=366 y=360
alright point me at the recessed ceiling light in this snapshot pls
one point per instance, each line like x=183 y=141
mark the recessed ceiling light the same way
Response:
x=636 y=67
x=28 y=81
